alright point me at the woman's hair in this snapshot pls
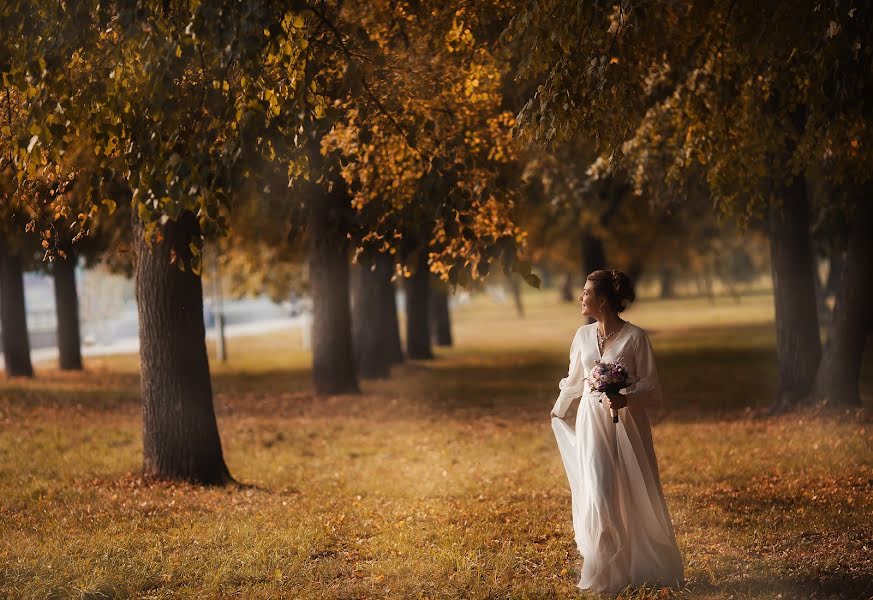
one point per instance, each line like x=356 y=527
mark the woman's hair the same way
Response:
x=615 y=286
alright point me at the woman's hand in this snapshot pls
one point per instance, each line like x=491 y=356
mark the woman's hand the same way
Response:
x=617 y=400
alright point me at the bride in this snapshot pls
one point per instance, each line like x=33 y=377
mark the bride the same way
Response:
x=622 y=527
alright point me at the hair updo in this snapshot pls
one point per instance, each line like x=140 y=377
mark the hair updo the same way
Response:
x=614 y=286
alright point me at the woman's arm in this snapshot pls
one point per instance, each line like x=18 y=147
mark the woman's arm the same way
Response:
x=646 y=391
x=573 y=385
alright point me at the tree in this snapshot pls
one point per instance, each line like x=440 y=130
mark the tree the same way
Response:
x=435 y=160
x=417 y=287
x=13 y=316
x=743 y=97
x=332 y=355
x=373 y=309
x=171 y=95
x=440 y=316
x=837 y=376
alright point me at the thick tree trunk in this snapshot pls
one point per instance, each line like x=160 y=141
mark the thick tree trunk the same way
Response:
x=668 y=283
x=180 y=434
x=333 y=369
x=835 y=271
x=371 y=342
x=635 y=270
x=798 y=347
x=67 y=307
x=13 y=317
x=593 y=253
x=417 y=311
x=440 y=318
x=840 y=368
x=567 y=288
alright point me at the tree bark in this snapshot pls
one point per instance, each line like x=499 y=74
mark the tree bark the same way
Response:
x=668 y=280
x=515 y=288
x=840 y=368
x=417 y=311
x=835 y=270
x=635 y=270
x=67 y=308
x=13 y=317
x=333 y=368
x=370 y=329
x=180 y=433
x=440 y=317
x=567 y=288
x=389 y=305
x=798 y=347
x=593 y=253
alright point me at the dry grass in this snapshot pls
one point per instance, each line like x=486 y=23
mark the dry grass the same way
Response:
x=442 y=482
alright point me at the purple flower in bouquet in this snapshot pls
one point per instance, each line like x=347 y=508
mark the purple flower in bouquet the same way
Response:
x=608 y=378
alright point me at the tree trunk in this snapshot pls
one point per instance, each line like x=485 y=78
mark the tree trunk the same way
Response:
x=333 y=369
x=567 y=288
x=635 y=270
x=13 y=317
x=67 y=308
x=389 y=305
x=821 y=306
x=440 y=318
x=708 y=287
x=668 y=281
x=840 y=368
x=798 y=347
x=369 y=327
x=593 y=253
x=180 y=434
x=835 y=271
x=417 y=312
x=515 y=288
x=546 y=273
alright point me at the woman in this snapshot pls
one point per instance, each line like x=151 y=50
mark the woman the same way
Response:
x=622 y=527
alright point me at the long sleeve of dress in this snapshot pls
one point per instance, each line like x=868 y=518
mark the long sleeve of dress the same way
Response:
x=573 y=385
x=646 y=390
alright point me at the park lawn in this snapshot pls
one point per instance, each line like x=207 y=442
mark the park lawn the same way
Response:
x=442 y=482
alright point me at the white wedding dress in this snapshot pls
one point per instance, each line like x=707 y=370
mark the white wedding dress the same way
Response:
x=622 y=527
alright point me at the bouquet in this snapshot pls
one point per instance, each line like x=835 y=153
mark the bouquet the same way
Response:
x=609 y=378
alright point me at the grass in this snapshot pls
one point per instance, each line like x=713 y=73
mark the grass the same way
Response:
x=442 y=482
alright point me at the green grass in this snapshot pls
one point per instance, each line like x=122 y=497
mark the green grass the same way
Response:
x=442 y=482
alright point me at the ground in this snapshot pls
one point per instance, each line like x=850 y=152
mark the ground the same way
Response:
x=441 y=482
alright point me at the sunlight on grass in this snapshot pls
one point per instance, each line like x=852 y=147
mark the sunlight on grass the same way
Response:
x=441 y=482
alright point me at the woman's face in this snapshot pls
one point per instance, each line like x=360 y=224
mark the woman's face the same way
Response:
x=592 y=306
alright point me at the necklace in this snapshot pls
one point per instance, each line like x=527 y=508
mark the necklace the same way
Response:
x=601 y=340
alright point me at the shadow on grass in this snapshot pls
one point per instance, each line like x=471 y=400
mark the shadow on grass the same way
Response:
x=708 y=373
x=832 y=585
x=699 y=384
x=272 y=381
